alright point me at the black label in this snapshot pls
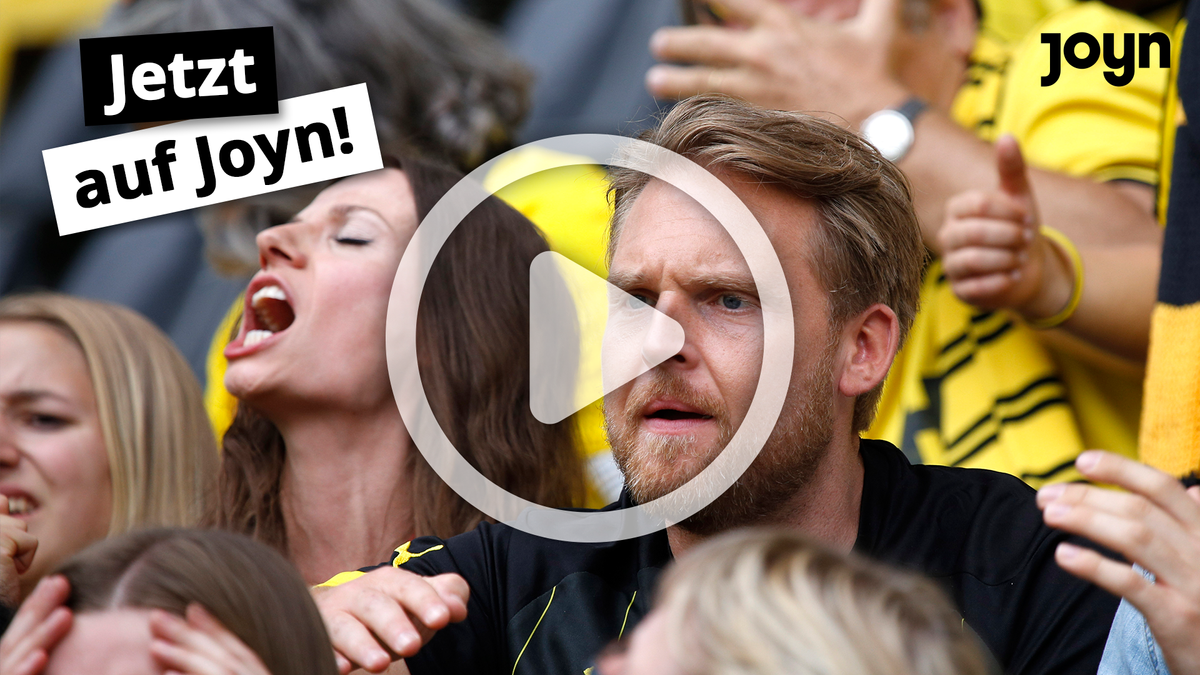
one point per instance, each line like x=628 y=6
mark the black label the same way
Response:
x=177 y=76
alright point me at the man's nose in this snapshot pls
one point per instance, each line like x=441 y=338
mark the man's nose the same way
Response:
x=667 y=338
x=282 y=245
x=663 y=339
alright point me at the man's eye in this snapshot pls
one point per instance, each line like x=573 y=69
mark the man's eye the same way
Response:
x=732 y=302
x=353 y=241
x=638 y=301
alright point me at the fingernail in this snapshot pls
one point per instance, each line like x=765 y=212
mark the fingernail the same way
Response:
x=1051 y=492
x=1057 y=510
x=656 y=41
x=435 y=615
x=1067 y=551
x=654 y=77
x=409 y=640
x=1015 y=274
x=1023 y=257
x=1087 y=460
x=1029 y=234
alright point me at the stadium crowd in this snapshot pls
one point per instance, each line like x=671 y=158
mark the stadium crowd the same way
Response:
x=985 y=459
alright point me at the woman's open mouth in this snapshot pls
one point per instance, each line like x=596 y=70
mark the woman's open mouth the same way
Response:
x=268 y=313
x=20 y=504
x=271 y=312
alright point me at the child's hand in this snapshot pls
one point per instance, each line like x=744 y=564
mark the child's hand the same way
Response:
x=993 y=253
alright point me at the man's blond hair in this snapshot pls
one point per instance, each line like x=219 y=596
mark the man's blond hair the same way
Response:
x=762 y=602
x=868 y=246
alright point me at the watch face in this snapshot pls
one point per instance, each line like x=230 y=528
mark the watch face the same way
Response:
x=890 y=132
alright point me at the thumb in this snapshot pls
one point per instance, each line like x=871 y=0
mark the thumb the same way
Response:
x=1014 y=178
x=879 y=18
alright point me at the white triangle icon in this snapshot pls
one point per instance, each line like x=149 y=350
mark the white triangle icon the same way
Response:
x=587 y=337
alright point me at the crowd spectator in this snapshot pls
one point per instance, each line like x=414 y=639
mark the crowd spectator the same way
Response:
x=841 y=220
x=170 y=600
x=102 y=431
x=975 y=387
x=318 y=423
x=775 y=603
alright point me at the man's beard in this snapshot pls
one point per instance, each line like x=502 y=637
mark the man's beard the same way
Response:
x=786 y=465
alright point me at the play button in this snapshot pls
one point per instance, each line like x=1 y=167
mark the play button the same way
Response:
x=587 y=337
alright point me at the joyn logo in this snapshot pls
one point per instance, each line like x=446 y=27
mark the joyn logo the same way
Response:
x=178 y=76
x=1069 y=51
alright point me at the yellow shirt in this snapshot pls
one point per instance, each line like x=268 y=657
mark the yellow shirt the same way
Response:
x=980 y=389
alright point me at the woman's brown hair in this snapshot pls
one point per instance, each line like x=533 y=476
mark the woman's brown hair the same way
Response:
x=256 y=594
x=473 y=349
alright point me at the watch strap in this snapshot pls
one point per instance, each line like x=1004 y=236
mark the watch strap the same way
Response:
x=912 y=108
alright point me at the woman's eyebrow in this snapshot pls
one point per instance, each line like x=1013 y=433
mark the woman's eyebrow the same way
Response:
x=343 y=211
x=33 y=395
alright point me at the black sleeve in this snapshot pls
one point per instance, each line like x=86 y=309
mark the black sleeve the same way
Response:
x=473 y=645
x=6 y=616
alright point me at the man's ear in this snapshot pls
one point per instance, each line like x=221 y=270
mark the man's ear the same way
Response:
x=869 y=343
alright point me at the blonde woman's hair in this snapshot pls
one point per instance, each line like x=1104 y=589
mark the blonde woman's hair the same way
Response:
x=161 y=452
x=759 y=602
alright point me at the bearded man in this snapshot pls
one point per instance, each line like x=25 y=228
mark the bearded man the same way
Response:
x=840 y=219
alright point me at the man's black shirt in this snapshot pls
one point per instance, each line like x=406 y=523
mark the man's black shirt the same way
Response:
x=541 y=606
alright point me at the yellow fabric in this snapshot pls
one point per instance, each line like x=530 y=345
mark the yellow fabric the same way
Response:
x=979 y=389
x=1171 y=425
x=403 y=555
x=221 y=405
x=341 y=578
x=41 y=23
x=1011 y=20
x=569 y=205
x=1170 y=434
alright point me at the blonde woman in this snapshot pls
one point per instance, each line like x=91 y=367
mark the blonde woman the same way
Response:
x=102 y=430
x=761 y=602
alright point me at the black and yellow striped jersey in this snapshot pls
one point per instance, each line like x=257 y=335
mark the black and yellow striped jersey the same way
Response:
x=982 y=389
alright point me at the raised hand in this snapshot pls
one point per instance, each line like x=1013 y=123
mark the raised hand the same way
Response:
x=1156 y=524
x=200 y=645
x=17 y=548
x=41 y=622
x=992 y=251
x=388 y=614
x=772 y=55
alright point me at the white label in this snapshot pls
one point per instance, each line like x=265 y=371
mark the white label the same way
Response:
x=142 y=173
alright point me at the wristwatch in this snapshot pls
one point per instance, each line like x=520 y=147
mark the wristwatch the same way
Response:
x=891 y=130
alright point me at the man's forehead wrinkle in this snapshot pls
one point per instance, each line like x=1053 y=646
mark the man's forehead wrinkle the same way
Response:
x=721 y=275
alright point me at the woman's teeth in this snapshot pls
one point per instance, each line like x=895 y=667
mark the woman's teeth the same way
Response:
x=271 y=308
x=18 y=506
x=273 y=292
x=256 y=336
